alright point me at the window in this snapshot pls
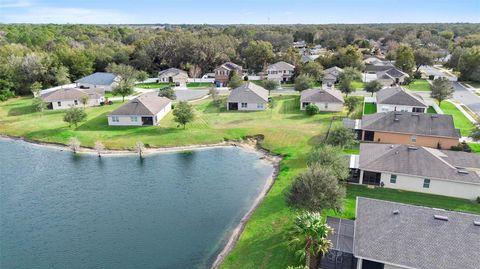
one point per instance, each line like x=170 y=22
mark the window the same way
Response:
x=134 y=119
x=393 y=179
x=426 y=183
x=75 y=102
x=305 y=104
x=244 y=105
x=414 y=138
x=259 y=105
x=115 y=119
x=326 y=105
x=59 y=103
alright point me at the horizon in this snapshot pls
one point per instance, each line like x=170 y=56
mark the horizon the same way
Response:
x=248 y=12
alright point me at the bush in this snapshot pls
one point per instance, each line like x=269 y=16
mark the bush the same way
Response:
x=312 y=109
x=431 y=77
x=417 y=75
x=478 y=199
x=407 y=81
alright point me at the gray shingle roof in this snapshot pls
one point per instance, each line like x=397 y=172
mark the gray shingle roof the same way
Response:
x=413 y=238
x=409 y=160
x=399 y=96
x=98 y=78
x=69 y=94
x=333 y=70
x=170 y=72
x=411 y=123
x=319 y=96
x=281 y=66
x=231 y=66
x=249 y=93
x=148 y=104
x=396 y=73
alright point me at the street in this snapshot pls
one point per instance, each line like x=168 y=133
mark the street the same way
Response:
x=463 y=95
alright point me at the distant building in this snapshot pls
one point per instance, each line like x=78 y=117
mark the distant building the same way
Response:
x=325 y=100
x=98 y=80
x=248 y=97
x=72 y=97
x=392 y=76
x=222 y=73
x=330 y=76
x=173 y=75
x=398 y=99
x=146 y=110
x=308 y=58
x=280 y=72
x=299 y=44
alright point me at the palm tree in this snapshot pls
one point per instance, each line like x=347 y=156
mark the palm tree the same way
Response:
x=308 y=238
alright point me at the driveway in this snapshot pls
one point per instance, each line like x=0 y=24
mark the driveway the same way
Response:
x=188 y=95
x=465 y=96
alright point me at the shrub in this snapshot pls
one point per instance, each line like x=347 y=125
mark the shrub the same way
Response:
x=312 y=109
x=478 y=199
x=417 y=75
x=431 y=77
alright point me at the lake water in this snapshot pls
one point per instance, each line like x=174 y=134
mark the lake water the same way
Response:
x=171 y=210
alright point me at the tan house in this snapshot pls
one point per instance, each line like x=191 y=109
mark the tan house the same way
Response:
x=422 y=129
x=222 y=73
x=248 y=97
x=325 y=100
x=399 y=99
x=280 y=72
x=173 y=75
x=64 y=98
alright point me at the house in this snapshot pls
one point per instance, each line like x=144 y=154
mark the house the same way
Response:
x=374 y=65
x=325 y=100
x=392 y=235
x=398 y=99
x=391 y=77
x=299 y=44
x=309 y=58
x=419 y=169
x=173 y=75
x=280 y=71
x=248 y=97
x=222 y=73
x=340 y=255
x=73 y=97
x=146 y=110
x=330 y=76
x=421 y=129
x=98 y=80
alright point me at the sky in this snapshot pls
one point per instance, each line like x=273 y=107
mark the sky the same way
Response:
x=238 y=12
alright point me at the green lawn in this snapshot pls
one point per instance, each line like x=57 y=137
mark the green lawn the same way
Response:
x=370 y=108
x=358 y=85
x=154 y=85
x=461 y=122
x=420 y=85
x=432 y=110
x=199 y=85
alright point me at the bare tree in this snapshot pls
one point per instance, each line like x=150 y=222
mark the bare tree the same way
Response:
x=99 y=148
x=84 y=100
x=74 y=144
x=139 y=148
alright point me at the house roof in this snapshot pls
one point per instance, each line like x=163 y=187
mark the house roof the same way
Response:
x=230 y=66
x=98 y=78
x=395 y=73
x=399 y=96
x=333 y=70
x=148 y=104
x=411 y=123
x=68 y=94
x=249 y=93
x=171 y=72
x=413 y=237
x=320 y=96
x=281 y=66
x=309 y=58
x=412 y=160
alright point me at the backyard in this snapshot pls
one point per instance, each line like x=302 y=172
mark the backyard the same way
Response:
x=461 y=122
x=369 y=108
x=419 y=85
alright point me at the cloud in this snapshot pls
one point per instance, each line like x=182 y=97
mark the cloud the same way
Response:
x=69 y=15
x=14 y=4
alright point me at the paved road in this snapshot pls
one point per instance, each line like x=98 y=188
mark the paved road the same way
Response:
x=465 y=96
x=187 y=95
x=433 y=71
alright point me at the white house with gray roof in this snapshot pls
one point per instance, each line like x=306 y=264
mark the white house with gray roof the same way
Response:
x=280 y=72
x=330 y=77
x=102 y=80
x=173 y=75
x=419 y=169
x=146 y=110
x=399 y=99
x=392 y=235
x=248 y=97
x=325 y=100
x=392 y=76
x=64 y=98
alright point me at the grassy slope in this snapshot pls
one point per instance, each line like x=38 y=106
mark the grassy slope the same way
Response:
x=419 y=85
x=431 y=110
x=461 y=122
x=199 y=85
x=370 y=108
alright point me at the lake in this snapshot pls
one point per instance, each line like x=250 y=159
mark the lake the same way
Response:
x=170 y=210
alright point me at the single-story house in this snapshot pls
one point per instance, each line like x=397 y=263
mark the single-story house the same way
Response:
x=392 y=235
x=98 y=80
x=248 y=97
x=391 y=77
x=325 y=100
x=146 y=110
x=399 y=99
x=173 y=75
x=280 y=71
x=374 y=65
x=418 y=169
x=222 y=73
x=309 y=58
x=330 y=76
x=421 y=129
x=73 y=97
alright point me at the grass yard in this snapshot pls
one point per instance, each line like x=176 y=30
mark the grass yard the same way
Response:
x=461 y=122
x=154 y=85
x=475 y=147
x=199 y=85
x=370 y=108
x=419 y=85
x=431 y=110
x=358 y=85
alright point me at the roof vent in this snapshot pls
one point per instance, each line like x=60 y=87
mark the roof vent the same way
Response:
x=462 y=171
x=396 y=212
x=440 y=217
x=412 y=148
x=476 y=222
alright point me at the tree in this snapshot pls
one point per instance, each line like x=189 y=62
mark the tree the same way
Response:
x=303 y=82
x=235 y=81
x=183 y=113
x=257 y=54
x=331 y=157
x=405 y=59
x=61 y=75
x=313 y=69
x=350 y=56
x=139 y=148
x=168 y=93
x=442 y=89
x=345 y=86
x=74 y=144
x=35 y=88
x=422 y=57
x=84 y=100
x=38 y=104
x=312 y=109
x=270 y=85
x=342 y=137
x=74 y=115
x=373 y=86
x=99 y=148
x=123 y=88
x=309 y=238
x=469 y=64
x=475 y=134
x=291 y=55
x=351 y=103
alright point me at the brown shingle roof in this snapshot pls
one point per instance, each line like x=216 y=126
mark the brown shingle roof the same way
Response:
x=68 y=94
x=399 y=96
x=318 y=96
x=145 y=105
